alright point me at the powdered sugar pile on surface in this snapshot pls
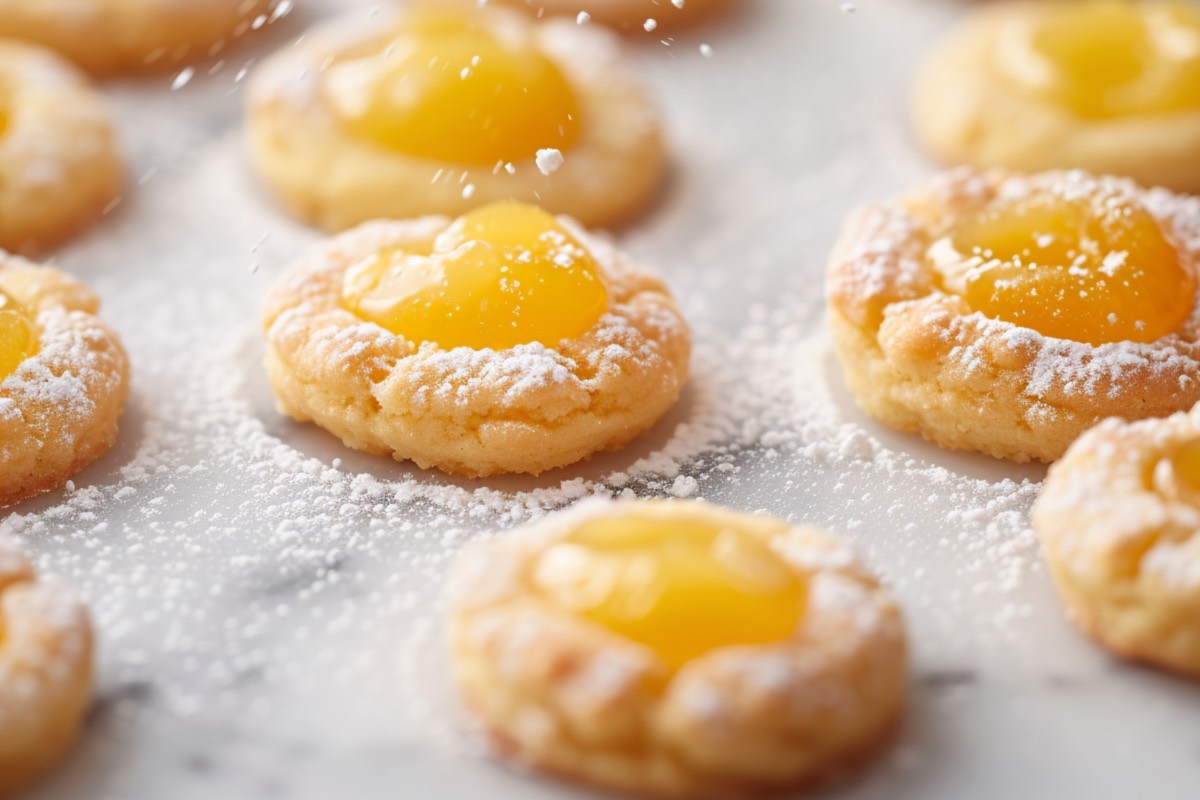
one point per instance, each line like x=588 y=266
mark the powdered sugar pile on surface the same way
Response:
x=269 y=603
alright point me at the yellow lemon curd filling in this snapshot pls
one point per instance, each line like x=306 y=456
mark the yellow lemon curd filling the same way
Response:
x=1092 y=270
x=681 y=587
x=503 y=275
x=18 y=339
x=1114 y=58
x=451 y=89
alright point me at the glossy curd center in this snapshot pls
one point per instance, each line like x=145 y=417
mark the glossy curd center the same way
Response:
x=452 y=89
x=504 y=275
x=680 y=587
x=1093 y=270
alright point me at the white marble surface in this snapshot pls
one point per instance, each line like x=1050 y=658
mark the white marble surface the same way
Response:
x=267 y=633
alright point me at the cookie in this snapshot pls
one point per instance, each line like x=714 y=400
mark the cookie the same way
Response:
x=676 y=649
x=60 y=166
x=1119 y=523
x=1008 y=314
x=442 y=110
x=505 y=341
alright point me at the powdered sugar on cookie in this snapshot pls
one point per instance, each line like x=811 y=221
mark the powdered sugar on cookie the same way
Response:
x=892 y=280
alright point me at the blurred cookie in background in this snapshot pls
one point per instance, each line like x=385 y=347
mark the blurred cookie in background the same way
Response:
x=111 y=37
x=1109 y=86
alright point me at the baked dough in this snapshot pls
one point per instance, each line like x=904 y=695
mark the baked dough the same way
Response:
x=330 y=178
x=971 y=105
x=59 y=411
x=628 y=16
x=528 y=408
x=45 y=670
x=566 y=695
x=919 y=360
x=1119 y=524
x=108 y=37
x=59 y=162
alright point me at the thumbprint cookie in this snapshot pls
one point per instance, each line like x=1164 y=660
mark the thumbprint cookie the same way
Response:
x=1008 y=314
x=507 y=340
x=64 y=377
x=59 y=163
x=439 y=110
x=676 y=649
x=45 y=671
x=1110 y=86
x=108 y=37
x=1119 y=522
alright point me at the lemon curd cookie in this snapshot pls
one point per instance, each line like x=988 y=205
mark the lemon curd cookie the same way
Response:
x=1110 y=86
x=45 y=670
x=440 y=110
x=676 y=649
x=114 y=36
x=1119 y=522
x=59 y=163
x=504 y=341
x=632 y=16
x=63 y=379
x=1008 y=314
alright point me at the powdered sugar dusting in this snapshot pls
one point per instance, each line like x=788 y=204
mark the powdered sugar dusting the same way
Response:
x=323 y=527
x=269 y=602
x=64 y=377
